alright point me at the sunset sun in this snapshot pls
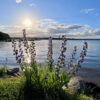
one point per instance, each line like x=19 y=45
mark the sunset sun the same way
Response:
x=27 y=22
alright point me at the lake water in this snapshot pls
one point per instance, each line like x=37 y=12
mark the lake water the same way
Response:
x=92 y=60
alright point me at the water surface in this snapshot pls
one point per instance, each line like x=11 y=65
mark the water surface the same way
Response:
x=92 y=60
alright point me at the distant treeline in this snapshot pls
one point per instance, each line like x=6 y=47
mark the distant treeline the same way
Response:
x=4 y=36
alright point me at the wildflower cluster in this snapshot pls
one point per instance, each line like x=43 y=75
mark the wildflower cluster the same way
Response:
x=24 y=55
x=81 y=58
x=70 y=62
x=50 y=54
x=17 y=53
x=61 y=59
x=25 y=42
x=32 y=52
x=47 y=80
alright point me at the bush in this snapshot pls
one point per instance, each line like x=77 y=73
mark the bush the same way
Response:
x=10 y=88
x=13 y=88
x=3 y=70
x=43 y=84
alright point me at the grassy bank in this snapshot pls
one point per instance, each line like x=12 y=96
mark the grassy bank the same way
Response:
x=12 y=88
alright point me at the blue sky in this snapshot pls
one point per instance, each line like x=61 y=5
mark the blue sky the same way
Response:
x=75 y=18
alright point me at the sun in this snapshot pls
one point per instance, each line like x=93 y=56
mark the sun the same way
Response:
x=27 y=22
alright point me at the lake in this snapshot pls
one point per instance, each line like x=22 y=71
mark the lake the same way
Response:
x=92 y=60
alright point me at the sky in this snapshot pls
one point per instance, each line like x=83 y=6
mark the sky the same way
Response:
x=73 y=18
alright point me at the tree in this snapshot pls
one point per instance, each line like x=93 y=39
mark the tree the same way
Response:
x=4 y=36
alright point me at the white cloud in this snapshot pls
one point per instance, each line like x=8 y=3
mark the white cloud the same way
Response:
x=32 y=4
x=45 y=27
x=87 y=11
x=18 y=1
x=90 y=32
x=94 y=32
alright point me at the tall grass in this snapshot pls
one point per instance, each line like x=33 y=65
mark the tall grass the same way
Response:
x=3 y=69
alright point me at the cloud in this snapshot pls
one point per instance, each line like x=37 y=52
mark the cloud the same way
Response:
x=16 y=30
x=87 y=11
x=91 y=32
x=45 y=27
x=48 y=21
x=94 y=32
x=18 y=1
x=61 y=28
x=32 y=4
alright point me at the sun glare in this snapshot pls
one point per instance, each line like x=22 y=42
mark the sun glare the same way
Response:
x=27 y=22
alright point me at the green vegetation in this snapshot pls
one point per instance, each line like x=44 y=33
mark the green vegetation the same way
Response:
x=4 y=36
x=38 y=84
x=3 y=70
x=10 y=88
x=13 y=88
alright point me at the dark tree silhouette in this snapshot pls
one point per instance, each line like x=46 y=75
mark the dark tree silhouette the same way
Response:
x=4 y=36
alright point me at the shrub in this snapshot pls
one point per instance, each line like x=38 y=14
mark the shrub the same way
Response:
x=10 y=88
x=3 y=70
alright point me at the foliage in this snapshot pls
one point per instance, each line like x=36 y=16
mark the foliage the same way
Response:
x=13 y=89
x=4 y=36
x=3 y=70
x=42 y=83
x=10 y=88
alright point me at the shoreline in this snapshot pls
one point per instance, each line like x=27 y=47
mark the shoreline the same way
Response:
x=90 y=75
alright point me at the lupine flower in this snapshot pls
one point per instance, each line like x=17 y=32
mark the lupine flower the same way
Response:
x=70 y=62
x=32 y=52
x=61 y=58
x=50 y=53
x=20 y=56
x=72 y=56
x=81 y=58
x=23 y=54
x=25 y=42
x=15 y=49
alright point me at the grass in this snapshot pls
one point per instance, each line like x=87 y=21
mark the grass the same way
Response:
x=3 y=70
x=10 y=88
x=18 y=88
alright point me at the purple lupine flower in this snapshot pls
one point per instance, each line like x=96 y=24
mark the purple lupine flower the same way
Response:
x=32 y=52
x=22 y=54
x=81 y=58
x=26 y=45
x=70 y=62
x=61 y=58
x=86 y=44
x=50 y=53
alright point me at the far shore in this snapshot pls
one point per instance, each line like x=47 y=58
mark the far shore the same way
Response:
x=45 y=38
x=54 y=38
